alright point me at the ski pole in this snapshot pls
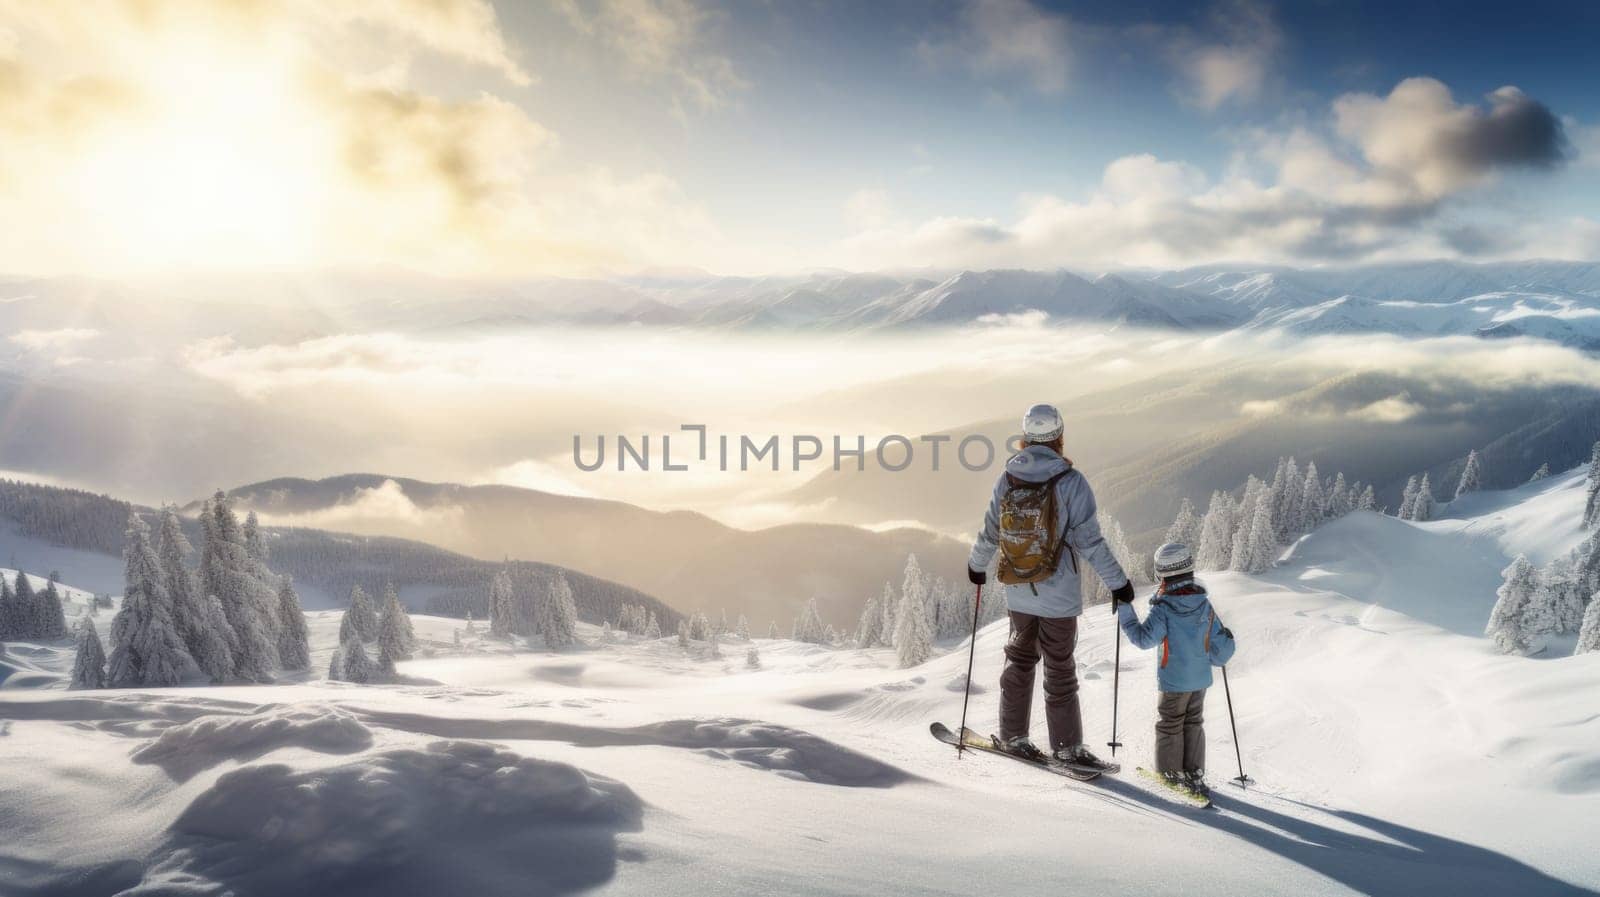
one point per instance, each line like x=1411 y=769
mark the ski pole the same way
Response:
x=1241 y=779
x=1116 y=681
x=972 y=652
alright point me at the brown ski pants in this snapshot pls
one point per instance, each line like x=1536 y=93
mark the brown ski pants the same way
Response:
x=1054 y=639
x=1180 y=731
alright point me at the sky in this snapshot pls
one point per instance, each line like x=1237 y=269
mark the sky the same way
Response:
x=466 y=138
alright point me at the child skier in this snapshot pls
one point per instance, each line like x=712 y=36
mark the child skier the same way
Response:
x=1192 y=639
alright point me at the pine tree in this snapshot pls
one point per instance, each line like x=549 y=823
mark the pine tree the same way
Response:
x=867 y=629
x=1287 y=494
x=913 y=640
x=1471 y=475
x=146 y=648
x=359 y=623
x=52 y=619
x=336 y=665
x=1513 y=623
x=1566 y=595
x=294 y=643
x=1423 y=507
x=1313 y=501
x=1256 y=495
x=28 y=608
x=1591 y=504
x=1215 y=550
x=652 y=629
x=741 y=630
x=89 y=668
x=699 y=627
x=204 y=628
x=1340 y=499
x=229 y=573
x=683 y=633
x=1185 y=528
x=1368 y=500
x=1408 y=499
x=722 y=623
x=502 y=605
x=11 y=617
x=561 y=615
x=886 y=603
x=808 y=627
x=752 y=658
x=395 y=625
x=772 y=630
x=1259 y=548
x=1541 y=473
x=1589 y=633
x=355 y=664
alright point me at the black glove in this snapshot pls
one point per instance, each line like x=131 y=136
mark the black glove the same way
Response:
x=1121 y=594
x=977 y=577
x=1227 y=632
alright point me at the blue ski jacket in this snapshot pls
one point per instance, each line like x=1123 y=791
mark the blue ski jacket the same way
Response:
x=1185 y=626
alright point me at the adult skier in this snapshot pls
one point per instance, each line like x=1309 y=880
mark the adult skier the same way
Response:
x=1041 y=521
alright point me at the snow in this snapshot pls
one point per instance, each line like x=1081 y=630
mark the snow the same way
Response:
x=1395 y=752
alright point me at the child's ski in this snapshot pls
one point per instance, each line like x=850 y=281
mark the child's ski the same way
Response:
x=972 y=741
x=1177 y=792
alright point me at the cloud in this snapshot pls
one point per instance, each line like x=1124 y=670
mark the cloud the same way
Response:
x=1370 y=184
x=663 y=39
x=309 y=142
x=1234 y=66
x=1392 y=410
x=373 y=510
x=869 y=208
x=53 y=340
x=1008 y=38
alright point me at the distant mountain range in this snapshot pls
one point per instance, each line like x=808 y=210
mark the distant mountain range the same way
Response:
x=1551 y=300
x=686 y=559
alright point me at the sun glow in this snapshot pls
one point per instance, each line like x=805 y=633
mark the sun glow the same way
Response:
x=224 y=165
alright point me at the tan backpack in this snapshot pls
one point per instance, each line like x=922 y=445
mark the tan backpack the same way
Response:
x=1030 y=546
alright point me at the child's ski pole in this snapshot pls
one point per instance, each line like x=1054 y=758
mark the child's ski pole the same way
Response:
x=1241 y=779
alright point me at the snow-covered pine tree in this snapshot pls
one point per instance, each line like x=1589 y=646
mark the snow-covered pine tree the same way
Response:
x=1255 y=495
x=1286 y=513
x=935 y=605
x=52 y=618
x=1368 y=500
x=1591 y=504
x=808 y=627
x=1259 y=549
x=254 y=546
x=830 y=636
x=913 y=639
x=561 y=630
x=722 y=627
x=203 y=626
x=1589 y=633
x=886 y=603
x=1513 y=623
x=652 y=628
x=396 y=640
x=11 y=619
x=1340 y=500
x=502 y=605
x=1423 y=507
x=249 y=603
x=146 y=649
x=683 y=633
x=360 y=623
x=1215 y=550
x=741 y=629
x=1541 y=473
x=914 y=595
x=1313 y=501
x=1408 y=498
x=752 y=658
x=89 y=667
x=1471 y=475
x=294 y=643
x=27 y=599
x=336 y=665
x=1185 y=528
x=699 y=627
x=1565 y=593
x=355 y=664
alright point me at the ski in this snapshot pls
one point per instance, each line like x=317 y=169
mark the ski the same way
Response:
x=1177 y=792
x=986 y=744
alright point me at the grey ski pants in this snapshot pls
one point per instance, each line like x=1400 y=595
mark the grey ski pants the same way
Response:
x=1180 y=731
x=1054 y=639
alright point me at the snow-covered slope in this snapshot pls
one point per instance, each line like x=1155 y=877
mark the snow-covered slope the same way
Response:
x=1393 y=755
